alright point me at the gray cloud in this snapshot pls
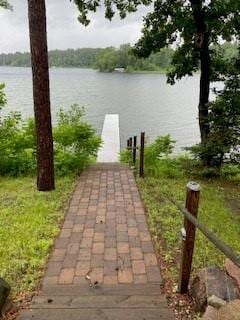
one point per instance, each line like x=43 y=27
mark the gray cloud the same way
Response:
x=64 y=31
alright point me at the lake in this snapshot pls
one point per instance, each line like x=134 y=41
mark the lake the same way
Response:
x=144 y=102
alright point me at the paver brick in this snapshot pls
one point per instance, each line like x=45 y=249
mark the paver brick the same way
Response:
x=145 y=236
x=136 y=253
x=138 y=267
x=97 y=260
x=78 y=227
x=53 y=268
x=125 y=276
x=82 y=268
x=96 y=275
x=150 y=259
x=70 y=261
x=140 y=278
x=66 y=276
x=110 y=280
x=123 y=247
x=86 y=243
x=84 y=254
x=88 y=232
x=98 y=237
x=110 y=254
x=132 y=231
x=98 y=247
x=153 y=274
x=110 y=242
x=110 y=268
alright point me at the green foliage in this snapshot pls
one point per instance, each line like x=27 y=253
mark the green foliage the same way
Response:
x=16 y=145
x=111 y=58
x=125 y=156
x=5 y=4
x=29 y=222
x=75 y=143
x=122 y=6
x=82 y=58
x=172 y=22
x=224 y=119
x=156 y=157
x=3 y=99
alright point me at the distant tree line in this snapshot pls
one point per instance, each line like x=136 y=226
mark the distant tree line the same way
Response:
x=79 y=58
x=106 y=60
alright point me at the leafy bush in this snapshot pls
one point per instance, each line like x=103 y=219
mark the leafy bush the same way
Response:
x=125 y=156
x=75 y=142
x=16 y=145
x=161 y=147
x=157 y=162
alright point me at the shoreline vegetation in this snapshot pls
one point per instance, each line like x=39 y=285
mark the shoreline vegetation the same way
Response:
x=108 y=59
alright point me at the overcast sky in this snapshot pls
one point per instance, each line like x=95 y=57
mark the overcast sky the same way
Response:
x=64 y=30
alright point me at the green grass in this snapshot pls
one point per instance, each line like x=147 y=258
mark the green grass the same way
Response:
x=166 y=221
x=219 y=208
x=29 y=221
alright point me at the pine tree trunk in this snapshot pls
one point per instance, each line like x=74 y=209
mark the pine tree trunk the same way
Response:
x=41 y=94
x=202 y=44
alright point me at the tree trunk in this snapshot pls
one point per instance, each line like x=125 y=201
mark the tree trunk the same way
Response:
x=204 y=89
x=202 y=44
x=41 y=94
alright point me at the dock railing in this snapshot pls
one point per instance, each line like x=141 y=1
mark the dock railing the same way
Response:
x=190 y=222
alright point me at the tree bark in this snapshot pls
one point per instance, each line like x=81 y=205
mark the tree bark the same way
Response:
x=202 y=44
x=204 y=89
x=41 y=94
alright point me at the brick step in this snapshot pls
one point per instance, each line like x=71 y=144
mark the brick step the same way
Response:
x=98 y=314
x=150 y=289
x=99 y=302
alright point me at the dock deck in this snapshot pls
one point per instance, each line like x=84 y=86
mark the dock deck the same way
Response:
x=109 y=152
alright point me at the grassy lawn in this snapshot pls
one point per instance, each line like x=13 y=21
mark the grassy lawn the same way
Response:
x=29 y=221
x=216 y=211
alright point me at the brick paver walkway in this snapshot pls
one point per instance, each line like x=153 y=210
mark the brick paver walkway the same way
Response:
x=104 y=245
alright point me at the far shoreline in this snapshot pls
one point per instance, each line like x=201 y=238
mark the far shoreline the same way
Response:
x=93 y=69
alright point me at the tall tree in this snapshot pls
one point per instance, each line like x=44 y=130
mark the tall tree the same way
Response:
x=193 y=26
x=41 y=94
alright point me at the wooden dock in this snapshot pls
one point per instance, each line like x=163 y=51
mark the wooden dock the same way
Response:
x=109 y=152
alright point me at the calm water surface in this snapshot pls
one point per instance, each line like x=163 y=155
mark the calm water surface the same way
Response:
x=144 y=102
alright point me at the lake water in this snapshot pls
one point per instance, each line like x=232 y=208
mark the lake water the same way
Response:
x=144 y=102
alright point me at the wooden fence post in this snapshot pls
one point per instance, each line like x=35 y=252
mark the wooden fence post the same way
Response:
x=134 y=149
x=188 y=236
x=141 y=161
x=130 y=144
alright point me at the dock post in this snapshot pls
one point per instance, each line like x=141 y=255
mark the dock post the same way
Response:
x=141 y=161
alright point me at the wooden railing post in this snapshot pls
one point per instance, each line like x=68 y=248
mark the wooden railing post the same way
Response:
x=130 y=144
x=141 y=160
x=188 y=236
x=134 y=149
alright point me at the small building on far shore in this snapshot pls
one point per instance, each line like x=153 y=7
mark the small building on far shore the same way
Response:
x=120 y=70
